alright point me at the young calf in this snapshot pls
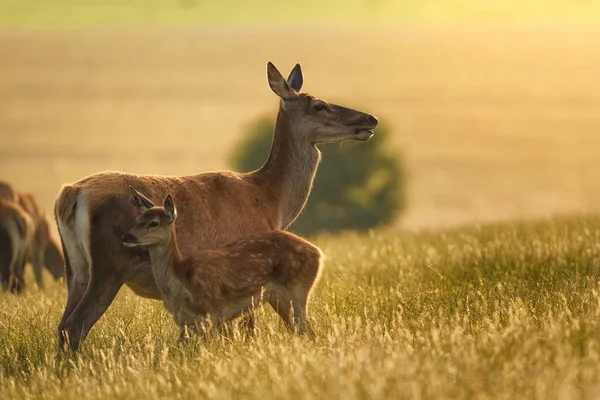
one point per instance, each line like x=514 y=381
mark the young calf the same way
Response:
x=215 y=286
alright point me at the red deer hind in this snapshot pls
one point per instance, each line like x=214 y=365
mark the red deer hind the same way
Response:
x=211 y=287
x=94 y=213
x=16 y=232
x=42 y=250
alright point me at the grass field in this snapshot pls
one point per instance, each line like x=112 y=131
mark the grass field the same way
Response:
x=503 y=311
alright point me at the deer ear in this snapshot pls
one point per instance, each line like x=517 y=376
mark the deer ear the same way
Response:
x=142 y=202
x=295 y=80
x=169 y=207
x=278 y=84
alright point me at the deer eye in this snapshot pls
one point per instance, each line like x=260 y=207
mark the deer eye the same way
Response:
x=320 y=107
x=152 y=224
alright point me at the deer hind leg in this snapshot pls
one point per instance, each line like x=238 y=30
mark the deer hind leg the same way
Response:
x=300 y=309
x=291 y=301
x=99 y=295
x=4 y=275
x=16 y=276
x=105 y=280
x=293 y=311
x=77 y=275
x=17 y=270
x=300 y=293
x=6 y=257
x=283 y=306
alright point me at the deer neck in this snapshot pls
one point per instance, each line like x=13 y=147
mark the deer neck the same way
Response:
x=164 y=258
x=290 y=169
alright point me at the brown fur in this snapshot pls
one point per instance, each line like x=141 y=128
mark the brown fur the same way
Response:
x=212 y=287
x=16 y=232
x=65 y=203
x=41 y=240
x=7 y=192
x=54 y=260
x=94 y=212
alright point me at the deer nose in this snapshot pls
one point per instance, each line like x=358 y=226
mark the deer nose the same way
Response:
x=373 y=120
x=128 y=238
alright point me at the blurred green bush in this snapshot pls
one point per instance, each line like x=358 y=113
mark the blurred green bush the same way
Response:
x=359 y=185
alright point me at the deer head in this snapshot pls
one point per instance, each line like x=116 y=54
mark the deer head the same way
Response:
x=153 y=225
x=319 y=121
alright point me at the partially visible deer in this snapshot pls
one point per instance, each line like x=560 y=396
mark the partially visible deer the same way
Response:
x=94 y=213
x=211 y=287
x=43 y=250
x=7 y=192
x=16 y=232
x=42 y=242
x=53 y=258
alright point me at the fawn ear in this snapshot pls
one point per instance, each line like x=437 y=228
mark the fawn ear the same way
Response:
x=169 y=207
x=295 y=80
x=142 y=202
x=278 y=84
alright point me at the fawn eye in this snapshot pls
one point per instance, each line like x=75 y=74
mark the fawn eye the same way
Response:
x=320 y=107
x=152 y=224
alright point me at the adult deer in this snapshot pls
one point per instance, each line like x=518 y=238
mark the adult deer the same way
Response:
x=7 y=192
x=211 y=287
x=96 y=211
x=43 y=250
x=16 y=231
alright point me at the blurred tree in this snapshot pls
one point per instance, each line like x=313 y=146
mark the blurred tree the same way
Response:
x=359 y=185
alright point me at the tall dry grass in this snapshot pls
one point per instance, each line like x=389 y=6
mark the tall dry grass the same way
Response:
x=507 y=311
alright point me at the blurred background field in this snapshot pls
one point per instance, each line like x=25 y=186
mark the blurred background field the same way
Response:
x=495 y=121
x=494 y=106
x=178 y=12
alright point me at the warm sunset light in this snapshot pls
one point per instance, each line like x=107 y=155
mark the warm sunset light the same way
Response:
x=173 y=174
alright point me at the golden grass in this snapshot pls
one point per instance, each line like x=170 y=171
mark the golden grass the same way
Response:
x=508 y=311
x=495 y=121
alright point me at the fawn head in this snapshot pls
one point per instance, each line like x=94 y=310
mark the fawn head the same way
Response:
x=319 y=121
x=153 y=225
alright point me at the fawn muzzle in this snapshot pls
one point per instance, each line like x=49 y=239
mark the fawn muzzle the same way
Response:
x=129 y=240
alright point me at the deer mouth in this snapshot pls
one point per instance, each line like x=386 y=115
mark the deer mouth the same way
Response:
x=363 y=134
x=129 y=240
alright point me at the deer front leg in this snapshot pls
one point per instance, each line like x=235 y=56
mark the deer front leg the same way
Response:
x=37 y=260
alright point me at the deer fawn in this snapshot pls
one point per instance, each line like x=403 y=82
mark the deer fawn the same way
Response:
x=94 y=213
x=211 y=287
x=16 y=232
